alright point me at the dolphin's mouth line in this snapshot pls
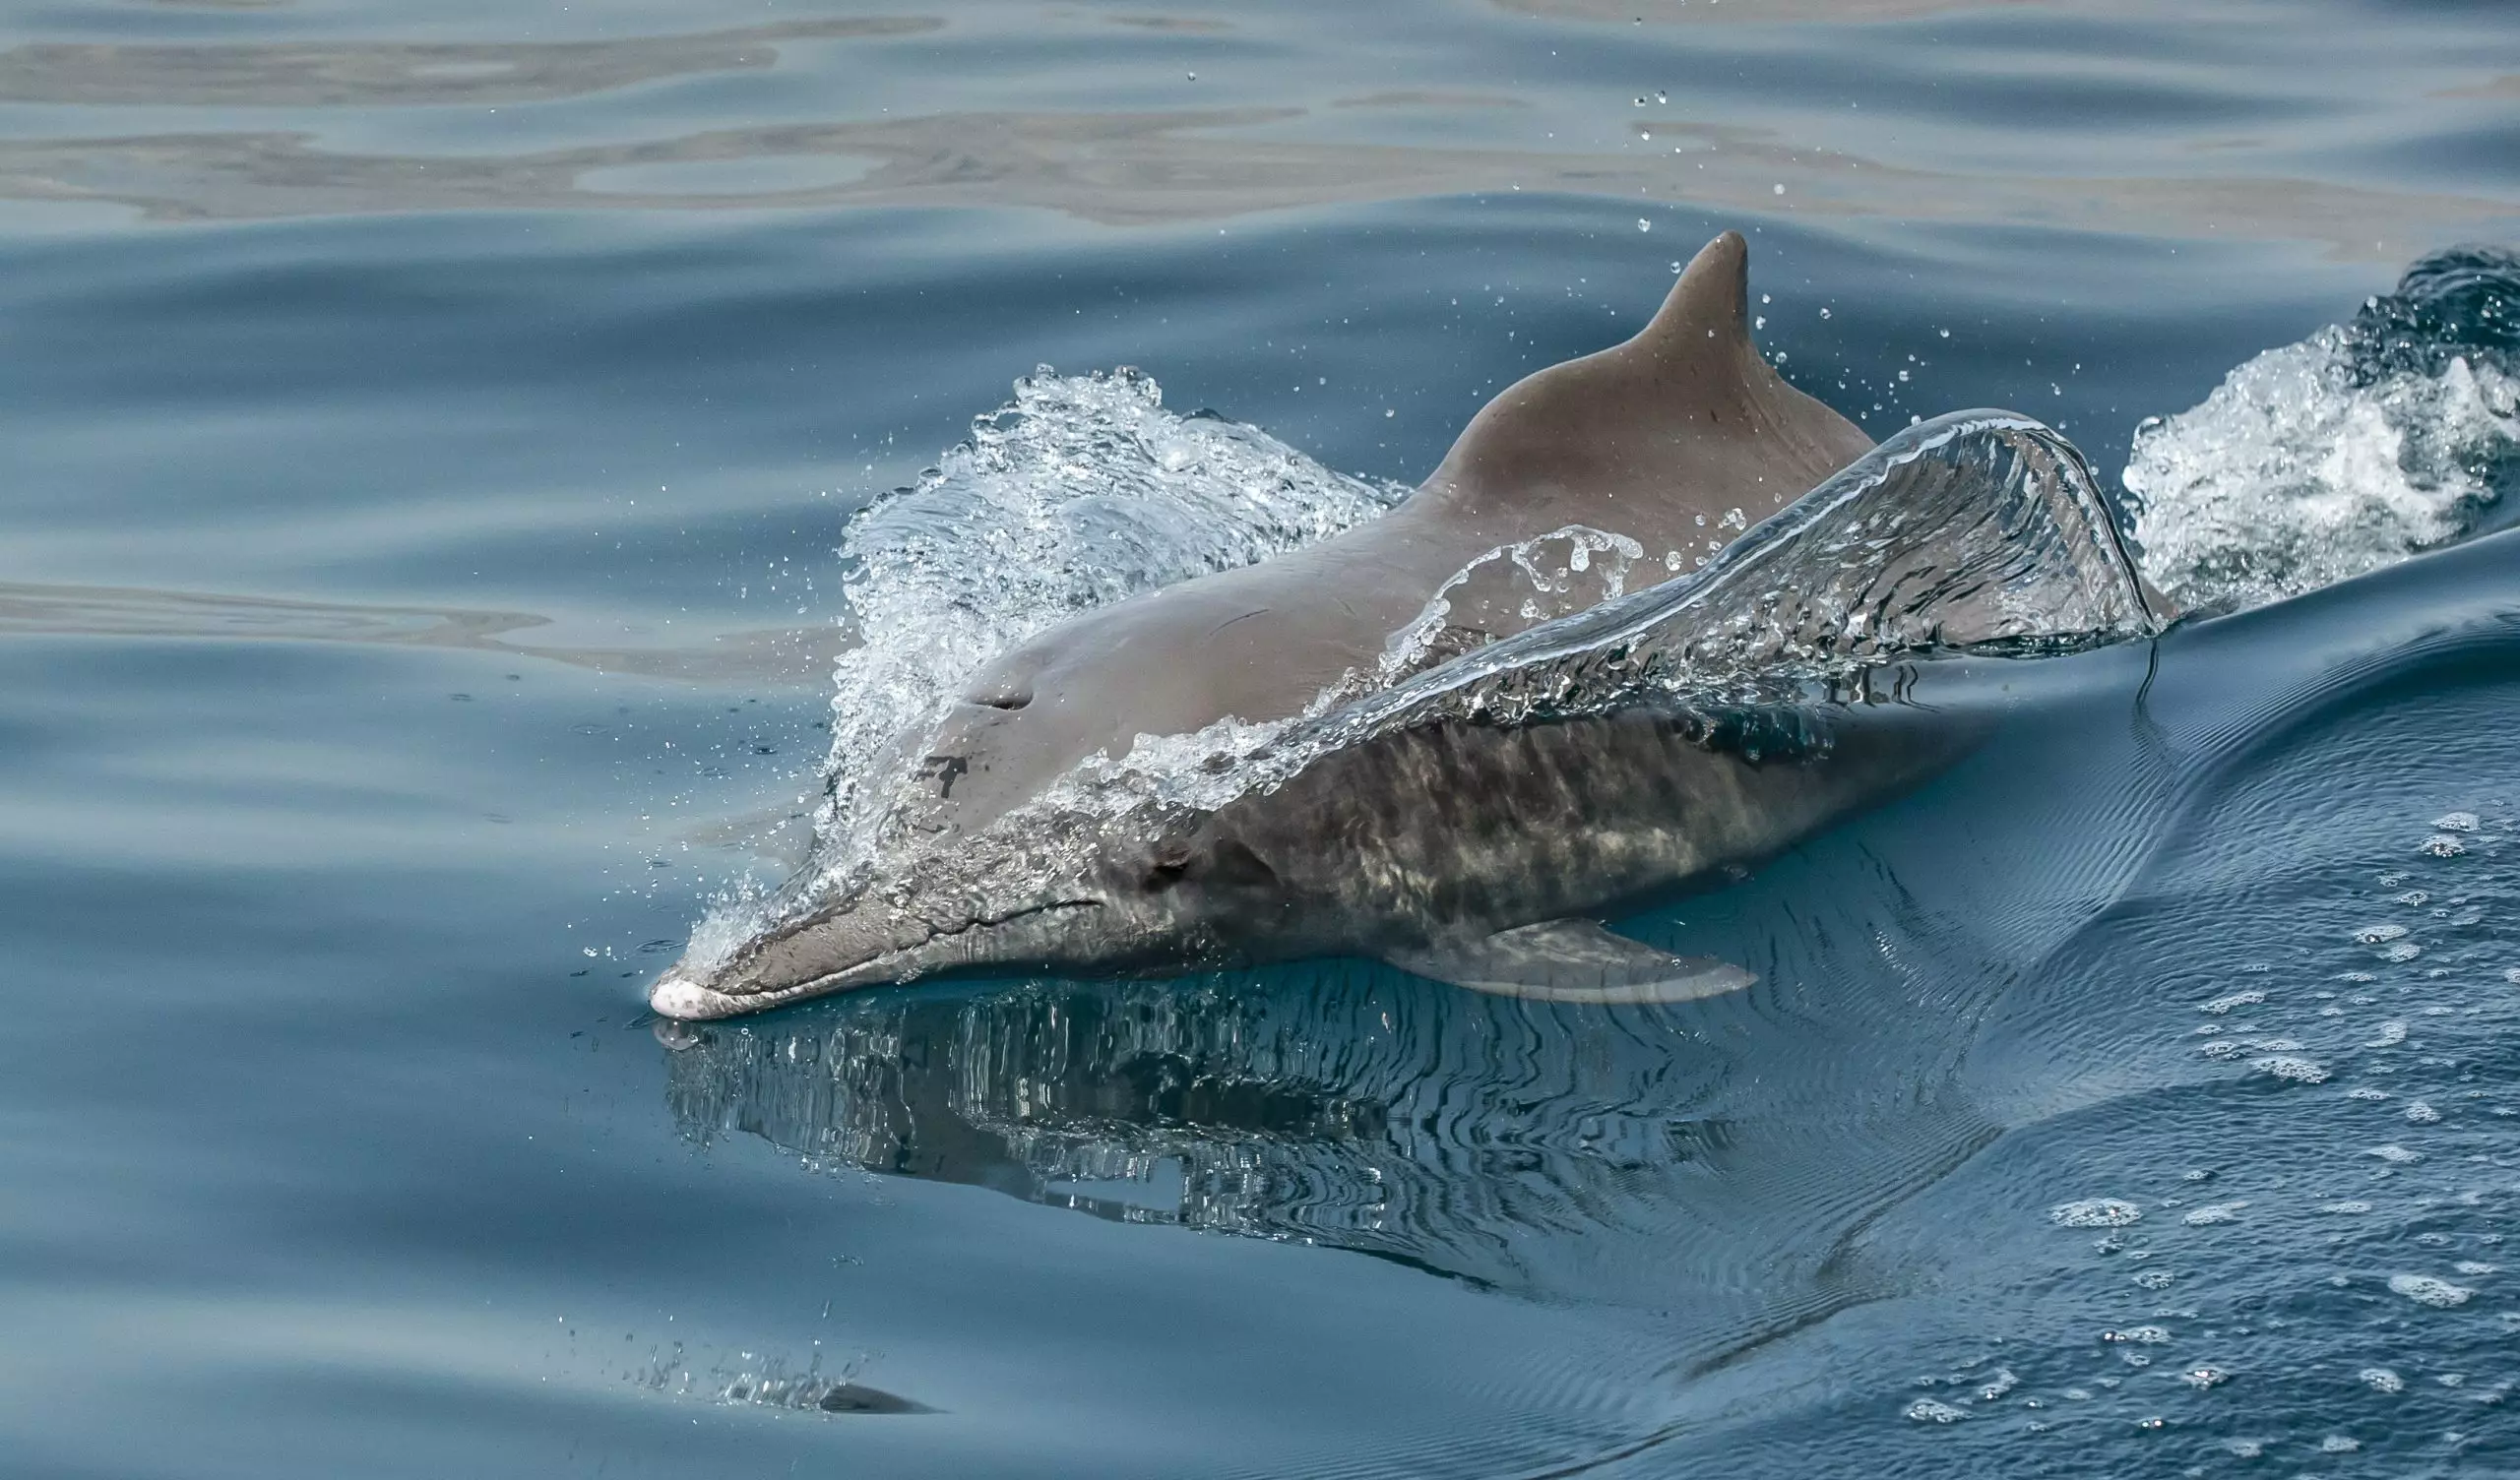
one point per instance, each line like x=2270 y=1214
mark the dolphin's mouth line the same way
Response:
x=710 y=1001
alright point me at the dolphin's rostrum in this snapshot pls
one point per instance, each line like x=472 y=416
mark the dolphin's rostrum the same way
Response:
x=1423 y=740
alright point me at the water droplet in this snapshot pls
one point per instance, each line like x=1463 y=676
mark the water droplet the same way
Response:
x=1642 y=224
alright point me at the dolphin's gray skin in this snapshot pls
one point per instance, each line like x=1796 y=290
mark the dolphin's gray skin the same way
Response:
x=1655 y=439
x=1463 y=824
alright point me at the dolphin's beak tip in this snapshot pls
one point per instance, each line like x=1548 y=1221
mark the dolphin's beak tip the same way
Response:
x=687 y=1001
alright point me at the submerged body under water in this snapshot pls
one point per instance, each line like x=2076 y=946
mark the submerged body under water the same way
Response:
x=429 y=435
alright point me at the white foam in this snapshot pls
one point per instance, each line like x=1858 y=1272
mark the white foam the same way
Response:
x=2290 y=477
x=2292 y=1067
x=2424 y=1289
x=2094 y=1212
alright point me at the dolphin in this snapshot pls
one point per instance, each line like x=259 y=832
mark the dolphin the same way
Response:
x=1473 y=813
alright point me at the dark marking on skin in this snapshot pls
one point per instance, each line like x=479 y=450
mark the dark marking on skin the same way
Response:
x=945 y=770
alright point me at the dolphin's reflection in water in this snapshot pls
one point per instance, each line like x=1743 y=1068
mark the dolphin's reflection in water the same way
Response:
x=1561 y=1153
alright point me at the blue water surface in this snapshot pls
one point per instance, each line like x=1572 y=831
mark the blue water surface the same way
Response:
x=428 y=430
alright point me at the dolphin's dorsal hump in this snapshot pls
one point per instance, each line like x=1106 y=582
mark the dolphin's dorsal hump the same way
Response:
x=1687 y=410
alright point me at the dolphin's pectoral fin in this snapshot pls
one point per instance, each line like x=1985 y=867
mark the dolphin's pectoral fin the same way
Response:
x=1572 y=961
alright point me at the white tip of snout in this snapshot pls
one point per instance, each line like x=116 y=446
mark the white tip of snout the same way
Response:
x=689 y=1001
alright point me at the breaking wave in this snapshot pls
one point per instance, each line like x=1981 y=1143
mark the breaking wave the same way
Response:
x=2361 y=445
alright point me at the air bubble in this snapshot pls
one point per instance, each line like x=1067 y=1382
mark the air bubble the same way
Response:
x=2292 y=1067
x=2423 y=1289
x=2140 y=1335
x=2094 y=1212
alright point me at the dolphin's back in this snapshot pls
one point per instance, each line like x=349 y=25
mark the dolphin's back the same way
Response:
x=1665 y=440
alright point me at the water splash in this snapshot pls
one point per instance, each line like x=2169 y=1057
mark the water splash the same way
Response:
x=1979 y=532
x=2360 y=445
x=1080 y=492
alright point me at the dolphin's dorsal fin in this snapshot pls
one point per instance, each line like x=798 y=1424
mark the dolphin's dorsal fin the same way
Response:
x=1572 y=961
x=1686 y=405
